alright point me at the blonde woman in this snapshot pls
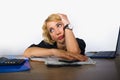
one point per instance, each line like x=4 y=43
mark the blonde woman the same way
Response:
x=59 y=40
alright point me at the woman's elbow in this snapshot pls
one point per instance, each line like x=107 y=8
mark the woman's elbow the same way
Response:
x=27 y=53
x=76 y=51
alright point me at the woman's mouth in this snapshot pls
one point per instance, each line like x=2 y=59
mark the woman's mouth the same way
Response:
x=60 y=37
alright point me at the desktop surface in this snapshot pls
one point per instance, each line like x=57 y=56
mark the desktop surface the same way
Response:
x=104 y=69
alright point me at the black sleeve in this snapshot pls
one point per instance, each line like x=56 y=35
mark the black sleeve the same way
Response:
x=43 y=44
x=82 y=45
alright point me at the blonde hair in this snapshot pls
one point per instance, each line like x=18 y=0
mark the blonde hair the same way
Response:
x=46 y=35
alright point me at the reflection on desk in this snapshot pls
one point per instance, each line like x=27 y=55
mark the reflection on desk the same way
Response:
x=104 y=69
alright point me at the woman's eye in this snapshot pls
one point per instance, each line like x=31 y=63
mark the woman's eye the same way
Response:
x=59 y=25
x=51 y=30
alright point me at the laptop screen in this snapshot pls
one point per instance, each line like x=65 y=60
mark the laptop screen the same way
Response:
x=118 y=43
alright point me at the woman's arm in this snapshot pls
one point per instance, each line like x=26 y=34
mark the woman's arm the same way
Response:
x=70 y=40
x=37 y=51
x=44 y=52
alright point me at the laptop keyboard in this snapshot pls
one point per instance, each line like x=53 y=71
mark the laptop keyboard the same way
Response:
x=9 y=61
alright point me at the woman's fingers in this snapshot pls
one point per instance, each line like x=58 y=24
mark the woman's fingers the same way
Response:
x=64 y=18
x=70 y=56
x=67 y=56
x=78 y=57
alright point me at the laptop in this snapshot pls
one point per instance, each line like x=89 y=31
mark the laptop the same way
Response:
x=106 y=54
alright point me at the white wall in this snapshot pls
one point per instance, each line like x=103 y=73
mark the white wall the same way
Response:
x=95 y=21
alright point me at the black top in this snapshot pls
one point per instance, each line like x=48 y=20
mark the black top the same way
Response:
x=43 y=44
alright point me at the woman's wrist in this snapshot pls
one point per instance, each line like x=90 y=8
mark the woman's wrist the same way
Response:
x=53 y=52
x=68 y=26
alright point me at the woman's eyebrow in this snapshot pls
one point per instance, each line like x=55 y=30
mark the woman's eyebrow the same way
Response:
x=59 y=23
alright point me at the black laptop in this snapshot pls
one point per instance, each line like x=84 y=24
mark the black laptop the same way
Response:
x=106 y=54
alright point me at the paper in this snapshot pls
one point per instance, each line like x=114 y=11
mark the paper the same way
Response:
x=38 y=59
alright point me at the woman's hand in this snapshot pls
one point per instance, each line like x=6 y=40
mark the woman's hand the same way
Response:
x=78 y=57
x=68 y=55
x=64 y=19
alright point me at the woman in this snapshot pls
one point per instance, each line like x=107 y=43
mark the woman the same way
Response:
x=59 y=40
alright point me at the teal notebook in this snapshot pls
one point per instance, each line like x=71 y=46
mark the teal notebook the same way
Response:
x=15 y=68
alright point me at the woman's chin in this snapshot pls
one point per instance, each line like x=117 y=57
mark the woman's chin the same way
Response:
x=61 y=41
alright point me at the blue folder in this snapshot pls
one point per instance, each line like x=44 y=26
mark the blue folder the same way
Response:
x=15 y=68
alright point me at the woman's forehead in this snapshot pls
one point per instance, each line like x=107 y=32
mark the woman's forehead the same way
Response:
x=53 y=23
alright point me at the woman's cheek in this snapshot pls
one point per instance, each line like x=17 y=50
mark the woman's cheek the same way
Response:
x=53 y=37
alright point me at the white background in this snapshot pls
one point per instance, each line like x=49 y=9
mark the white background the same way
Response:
x=95 y=21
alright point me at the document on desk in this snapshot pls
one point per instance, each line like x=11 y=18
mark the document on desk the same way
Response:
x=56 y=61
x=42 y=59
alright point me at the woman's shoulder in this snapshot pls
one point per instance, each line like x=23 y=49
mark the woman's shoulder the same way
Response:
x=81 y=42
x=44 y=44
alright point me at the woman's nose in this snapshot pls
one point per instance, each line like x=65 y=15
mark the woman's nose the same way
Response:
x=58 y=32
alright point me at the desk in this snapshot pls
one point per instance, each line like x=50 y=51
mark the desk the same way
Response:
x=104 y=69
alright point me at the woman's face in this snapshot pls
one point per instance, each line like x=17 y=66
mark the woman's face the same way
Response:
x=56 y=31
